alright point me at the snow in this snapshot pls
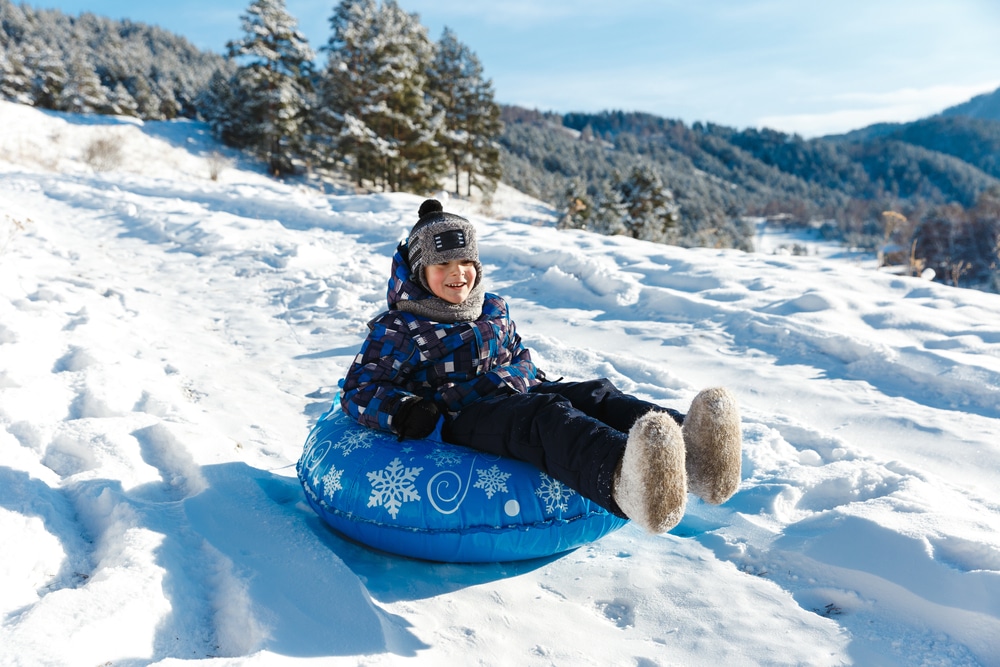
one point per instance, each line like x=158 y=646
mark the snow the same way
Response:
x=167 y=340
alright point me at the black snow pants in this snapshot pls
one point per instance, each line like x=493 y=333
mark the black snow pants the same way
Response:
x=575 y=432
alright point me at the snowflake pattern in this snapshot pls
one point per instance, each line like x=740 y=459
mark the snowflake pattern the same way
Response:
x=443 y=457
x=331 y=481
x=554 y=494
x=354 y=439
x=393 y=486
x=492 y=480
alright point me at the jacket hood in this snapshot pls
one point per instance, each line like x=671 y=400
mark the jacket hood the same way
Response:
x=402 y=286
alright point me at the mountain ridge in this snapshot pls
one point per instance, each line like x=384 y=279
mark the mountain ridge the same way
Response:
x=985 y=106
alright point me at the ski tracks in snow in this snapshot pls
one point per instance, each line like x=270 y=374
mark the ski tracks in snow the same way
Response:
x=110 y=466
x=130 y=471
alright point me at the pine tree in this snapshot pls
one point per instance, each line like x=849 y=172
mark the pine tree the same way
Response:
x=610 y=211
x=471 y=117
x=82 y=91
x=15 y=84
x=120 y=102
x=222 y=104
x=14 y=25
x=578 y=207
x=275 y=82
x=373 y=92
x=485 y=128
x=49 y=79
x=650 y=210
x=148 y=103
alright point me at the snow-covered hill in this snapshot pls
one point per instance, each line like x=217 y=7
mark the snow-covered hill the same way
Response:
x=166 y=341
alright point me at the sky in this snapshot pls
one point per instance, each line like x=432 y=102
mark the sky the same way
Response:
x=812 y=68
x=167 y=341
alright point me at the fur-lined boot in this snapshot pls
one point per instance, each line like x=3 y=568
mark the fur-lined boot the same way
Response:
x=714 y=443
x=651 y=483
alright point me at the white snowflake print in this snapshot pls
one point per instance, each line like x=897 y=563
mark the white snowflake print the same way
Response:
x=393 y=486
x=331 y=481
x=443 y=457
x=554 y=494
x=492 y=480
x=354 y=439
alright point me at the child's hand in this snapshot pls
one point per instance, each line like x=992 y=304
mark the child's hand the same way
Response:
x=416 y=418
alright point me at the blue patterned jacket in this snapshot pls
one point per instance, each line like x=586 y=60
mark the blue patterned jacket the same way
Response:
x=453 y=365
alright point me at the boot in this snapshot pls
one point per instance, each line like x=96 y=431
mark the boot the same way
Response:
x=650 y=485
x=714 y=443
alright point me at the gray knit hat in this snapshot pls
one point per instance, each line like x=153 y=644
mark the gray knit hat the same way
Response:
x=440 y=237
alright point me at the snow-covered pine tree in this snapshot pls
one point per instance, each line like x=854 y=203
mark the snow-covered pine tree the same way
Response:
x=383 y=126
x=147 y=101
x=82 y=92
x=471 y=117
x=15 y=84
x=485 y=128
x=13 y=23
x=222 y=105
x=121 y=102
x=610 y=211
x=49 y=78
x=650 y=210
x=274 y=78
x=578 y=207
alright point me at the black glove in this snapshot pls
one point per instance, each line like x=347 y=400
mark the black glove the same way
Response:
x=416 y=418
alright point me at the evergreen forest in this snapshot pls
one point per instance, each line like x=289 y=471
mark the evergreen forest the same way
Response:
x=390 y=109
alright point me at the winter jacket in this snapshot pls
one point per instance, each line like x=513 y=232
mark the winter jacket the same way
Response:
x=452 y=364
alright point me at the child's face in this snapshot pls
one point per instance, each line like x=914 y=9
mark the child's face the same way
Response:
x=451 y=281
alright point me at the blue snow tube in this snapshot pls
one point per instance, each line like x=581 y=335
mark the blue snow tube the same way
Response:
x=441 y=502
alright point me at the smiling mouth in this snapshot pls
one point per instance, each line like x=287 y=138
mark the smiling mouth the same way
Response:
x=456 y=285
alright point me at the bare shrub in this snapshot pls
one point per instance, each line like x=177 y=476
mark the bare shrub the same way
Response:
x=10 y=228
x=218 y=163
x=103 y=154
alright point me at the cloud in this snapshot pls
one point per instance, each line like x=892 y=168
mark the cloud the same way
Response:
x=862 y=109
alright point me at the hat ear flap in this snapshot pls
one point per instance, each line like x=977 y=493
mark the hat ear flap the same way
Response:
x=412 y=258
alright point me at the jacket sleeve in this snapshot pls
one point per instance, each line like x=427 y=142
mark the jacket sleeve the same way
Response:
x=520 y=373
x=375 y=385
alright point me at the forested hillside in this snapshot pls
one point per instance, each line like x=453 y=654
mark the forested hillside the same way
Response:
x=92 y=64
x=924 y=194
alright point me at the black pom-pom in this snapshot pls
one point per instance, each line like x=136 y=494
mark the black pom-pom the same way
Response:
x=430 y=206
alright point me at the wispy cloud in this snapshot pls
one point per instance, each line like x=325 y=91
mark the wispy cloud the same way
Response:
x=861 y=109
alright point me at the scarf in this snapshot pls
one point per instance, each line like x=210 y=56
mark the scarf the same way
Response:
x=438 y=310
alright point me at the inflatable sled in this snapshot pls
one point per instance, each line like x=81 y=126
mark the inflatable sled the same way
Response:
x=435 y=501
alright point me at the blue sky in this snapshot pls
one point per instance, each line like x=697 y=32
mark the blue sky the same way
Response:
x=808 y=67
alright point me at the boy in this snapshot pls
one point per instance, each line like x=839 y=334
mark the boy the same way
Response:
x=446 y=352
